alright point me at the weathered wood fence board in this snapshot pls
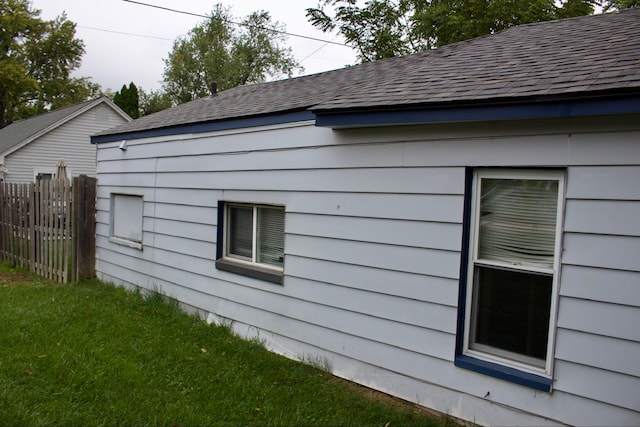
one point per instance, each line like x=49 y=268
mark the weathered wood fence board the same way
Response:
x=49 y=227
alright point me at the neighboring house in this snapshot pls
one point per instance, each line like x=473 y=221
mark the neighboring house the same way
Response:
x=459 y=227
x=31 y=148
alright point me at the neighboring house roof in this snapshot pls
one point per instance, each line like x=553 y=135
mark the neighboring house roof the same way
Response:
x=20 y=133
x=581 y=58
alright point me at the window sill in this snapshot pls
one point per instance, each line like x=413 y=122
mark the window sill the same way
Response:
x=506 y=373
x=255 y=271
x=125 y=242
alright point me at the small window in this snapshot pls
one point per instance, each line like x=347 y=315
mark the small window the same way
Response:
x=126 y=219
x=41 y=176
x=251 y=240
x=511 y=279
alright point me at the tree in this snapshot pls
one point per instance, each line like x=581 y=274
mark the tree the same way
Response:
x=36 y=60
x=217 y=50
x=129 y=100
x=386 y=28
x=153 y=101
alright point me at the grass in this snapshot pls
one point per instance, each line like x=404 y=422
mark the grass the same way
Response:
x=92 y=354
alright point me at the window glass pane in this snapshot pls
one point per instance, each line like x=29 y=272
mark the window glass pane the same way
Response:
x=271 y=236
x=517 y=222
x=512 y=310
x=241 y=231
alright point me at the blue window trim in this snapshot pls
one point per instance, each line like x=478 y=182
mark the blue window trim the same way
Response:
x=495 y=370
x=502 y=372
x=225 y=264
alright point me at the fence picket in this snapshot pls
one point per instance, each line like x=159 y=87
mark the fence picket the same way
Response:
x=38 y=227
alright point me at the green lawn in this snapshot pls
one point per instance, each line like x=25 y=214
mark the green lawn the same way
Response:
x=92 y=354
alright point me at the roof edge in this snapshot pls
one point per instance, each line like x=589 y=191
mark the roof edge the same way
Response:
x=207 y=126
x=490 y=110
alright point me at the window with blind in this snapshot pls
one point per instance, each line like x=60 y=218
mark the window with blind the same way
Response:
x=511 y=290
x=252 y=240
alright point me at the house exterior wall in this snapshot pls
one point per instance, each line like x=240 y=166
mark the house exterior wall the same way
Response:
x=69 y=141
x=373 y=237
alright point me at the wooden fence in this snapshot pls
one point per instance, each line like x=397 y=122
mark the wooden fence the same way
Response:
x=49 y=227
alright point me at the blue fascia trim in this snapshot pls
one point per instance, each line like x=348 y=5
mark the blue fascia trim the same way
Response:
x=495 y=370
x=208 y=127
x=482 y=112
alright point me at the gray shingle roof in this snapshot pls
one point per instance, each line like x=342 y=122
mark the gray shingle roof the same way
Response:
x=19 y=131
x=571 y=57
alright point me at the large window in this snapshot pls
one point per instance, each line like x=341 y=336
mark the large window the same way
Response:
x=251 y=240
x=126 y=219
x=510 y=289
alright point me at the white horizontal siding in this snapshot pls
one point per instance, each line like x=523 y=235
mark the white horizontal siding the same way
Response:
x=372 y=248
x=70 y=141
x=598 y=284
x=419 y=234
x=603 y=217
x=437 y=290
x=604 y=183
x=604 y=251
x=597 y=343
x=619 y=321
x=601 y=385
x=621 y=356
x=387 y=180
x=429 y=262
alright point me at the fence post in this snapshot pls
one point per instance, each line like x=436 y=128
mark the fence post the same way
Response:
x=84 y=227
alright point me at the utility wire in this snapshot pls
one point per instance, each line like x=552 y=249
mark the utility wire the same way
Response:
x=124 y=33
x=236 y=23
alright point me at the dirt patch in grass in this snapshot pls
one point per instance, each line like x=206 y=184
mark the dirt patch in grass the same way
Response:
x=12 y=279
x=446 y=420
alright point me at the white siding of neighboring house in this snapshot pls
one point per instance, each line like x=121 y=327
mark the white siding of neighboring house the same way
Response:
x=372 y=252
x=70 y=141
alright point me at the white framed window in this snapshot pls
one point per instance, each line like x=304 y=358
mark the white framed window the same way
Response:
x=126 y=219
x=513 y=264
x=251 y=240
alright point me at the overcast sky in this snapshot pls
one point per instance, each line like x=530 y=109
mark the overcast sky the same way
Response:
x=113 y=58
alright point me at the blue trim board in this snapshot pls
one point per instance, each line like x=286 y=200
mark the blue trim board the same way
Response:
x=464 y=259
x=481 y=112
x=220 y=231
x=210 y=126
x=495 y=370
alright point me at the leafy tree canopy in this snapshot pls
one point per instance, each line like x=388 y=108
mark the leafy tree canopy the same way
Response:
x=129 y=100
x=36 y=60
x=217 y=50
x=386 y=28
x=153 y=101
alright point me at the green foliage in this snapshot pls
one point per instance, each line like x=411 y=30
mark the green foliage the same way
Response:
x=36 y=60
x=92 y=354
x=386 y=28
x=219 y=51
x=129 y=100
x=153 y=101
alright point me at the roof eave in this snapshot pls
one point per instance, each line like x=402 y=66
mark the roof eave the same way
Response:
x=583 y=105
x=206 y=126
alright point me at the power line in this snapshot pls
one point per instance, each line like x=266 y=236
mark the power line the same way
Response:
x=236 y=23
x=124 y=33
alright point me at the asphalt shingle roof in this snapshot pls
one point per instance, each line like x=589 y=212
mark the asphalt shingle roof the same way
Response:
x=572 y=57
